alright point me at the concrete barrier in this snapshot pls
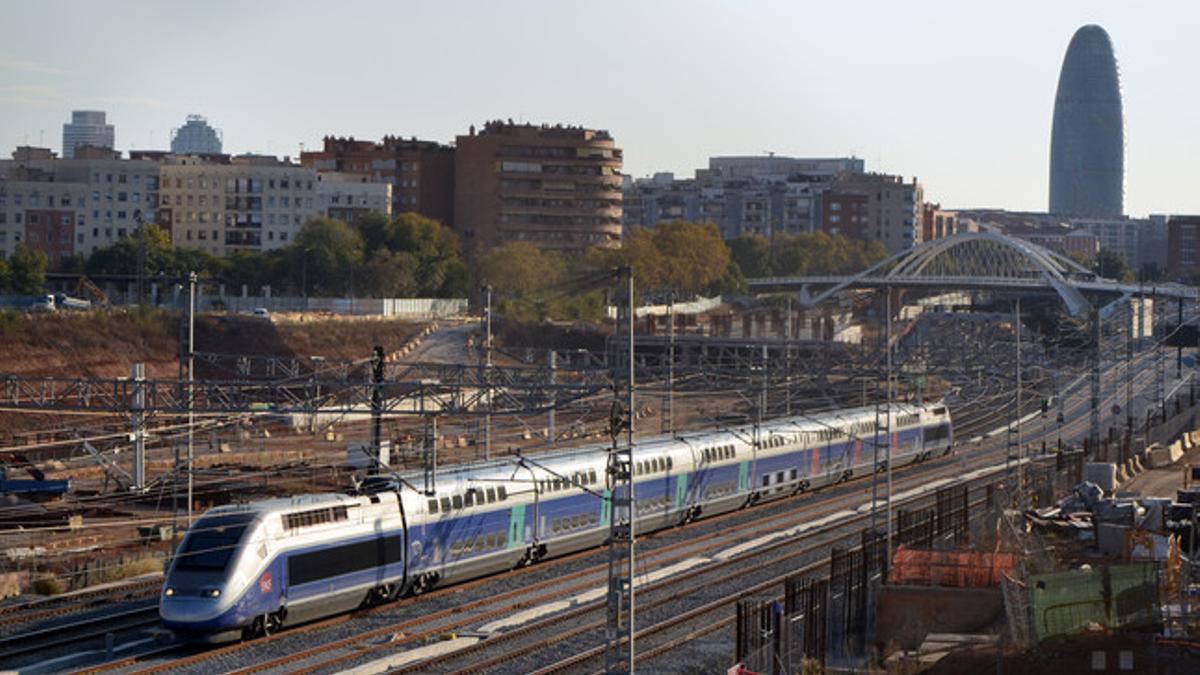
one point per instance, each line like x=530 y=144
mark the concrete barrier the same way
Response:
x=1103 y=474
x=1122 y=473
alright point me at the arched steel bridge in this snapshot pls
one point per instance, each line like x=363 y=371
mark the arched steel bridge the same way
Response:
x=984 y=261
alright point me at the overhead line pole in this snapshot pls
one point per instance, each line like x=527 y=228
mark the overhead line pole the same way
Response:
x=191 y=393
x=621 y=625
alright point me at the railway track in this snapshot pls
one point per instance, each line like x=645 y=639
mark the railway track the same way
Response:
x=73 y=603
x=413 y=632
x=21 y=644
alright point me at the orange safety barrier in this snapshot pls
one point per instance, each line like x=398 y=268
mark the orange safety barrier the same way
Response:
x=962 y=569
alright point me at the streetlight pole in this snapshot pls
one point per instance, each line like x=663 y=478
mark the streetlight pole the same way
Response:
x=191 y=422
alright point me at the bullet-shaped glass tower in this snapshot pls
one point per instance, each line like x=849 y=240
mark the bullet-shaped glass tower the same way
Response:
x=1087 y=144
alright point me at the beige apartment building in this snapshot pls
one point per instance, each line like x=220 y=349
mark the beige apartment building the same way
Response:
x=68 y=207
x=253 y=202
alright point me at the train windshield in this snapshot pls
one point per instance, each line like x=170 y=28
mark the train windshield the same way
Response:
x=211 y=542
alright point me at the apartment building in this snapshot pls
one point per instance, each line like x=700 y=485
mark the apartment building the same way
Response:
x=253 y=202
x=1183 y=248
x=894 y=207
x=420 y=173
x=93 y=201
x=554 y=186
x=761 y=195
x=348 y=197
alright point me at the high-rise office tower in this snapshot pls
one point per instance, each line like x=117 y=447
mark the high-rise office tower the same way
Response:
x=87 y=127
x=1087 y=144
x=196 y=138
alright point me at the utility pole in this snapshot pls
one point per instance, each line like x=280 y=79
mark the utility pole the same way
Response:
x=787 y=359
x=1129 y=380
x=1020 y=491
x=377 y=457
x=670 y=420
x=888 y=422
x=1094 y=416
x=487 y=365
x=1160 y=374
x=1179 y=340
x=191 y=393
x=138 y=419
x=621 y=624
x=552 y=418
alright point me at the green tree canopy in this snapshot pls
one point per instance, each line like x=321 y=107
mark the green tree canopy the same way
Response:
x=325 y=254
x=28 y=270
x=440 y=271
x=1112 y=265
x=752 y=253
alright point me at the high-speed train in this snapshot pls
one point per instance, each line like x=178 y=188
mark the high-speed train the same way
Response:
x=250 y=569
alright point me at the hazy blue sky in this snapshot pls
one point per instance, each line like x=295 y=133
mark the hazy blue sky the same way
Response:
x=957 y=93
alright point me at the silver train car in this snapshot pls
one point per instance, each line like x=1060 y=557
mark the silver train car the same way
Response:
x=250 y=569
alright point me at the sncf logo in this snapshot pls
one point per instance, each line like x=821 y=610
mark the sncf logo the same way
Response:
x=264 y=584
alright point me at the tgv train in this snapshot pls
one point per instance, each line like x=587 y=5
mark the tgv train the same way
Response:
x=250 y=569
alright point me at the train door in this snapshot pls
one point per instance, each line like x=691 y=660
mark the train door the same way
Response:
x=516 y=526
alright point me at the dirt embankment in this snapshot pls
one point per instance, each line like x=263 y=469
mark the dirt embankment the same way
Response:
x=106 y=344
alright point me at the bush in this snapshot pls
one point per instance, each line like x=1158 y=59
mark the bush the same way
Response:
x=48 y=586
x=11 y=322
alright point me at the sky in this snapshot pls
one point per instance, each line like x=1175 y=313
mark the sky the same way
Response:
x=958 y=94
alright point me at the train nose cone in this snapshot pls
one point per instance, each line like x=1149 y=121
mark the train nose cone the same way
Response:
x=184 y=610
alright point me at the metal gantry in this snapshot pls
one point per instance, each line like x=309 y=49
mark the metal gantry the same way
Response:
x=620 y=654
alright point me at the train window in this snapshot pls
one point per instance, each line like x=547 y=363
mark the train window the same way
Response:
x=592 y=475
x=554 y=525
x=670 y=464
x=469 y=499
x=491 y=495
x=433 y=506
x=445 y=504
x=457 y=500
x=211 y=542
x=557 y=484
x=502 y=493
x=766 y=480
x=479 y=545
x=732 y=452
x=502 y=539
x=793 y=474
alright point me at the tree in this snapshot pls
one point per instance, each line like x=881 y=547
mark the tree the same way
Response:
x=325 y=253
x=28 y=275
x=440 y=270
x=161 y=256
x=679 y=255
x=522 y=277
x=1112 y=265
x=752 y=254
x=5 y=276
x=389 y=275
